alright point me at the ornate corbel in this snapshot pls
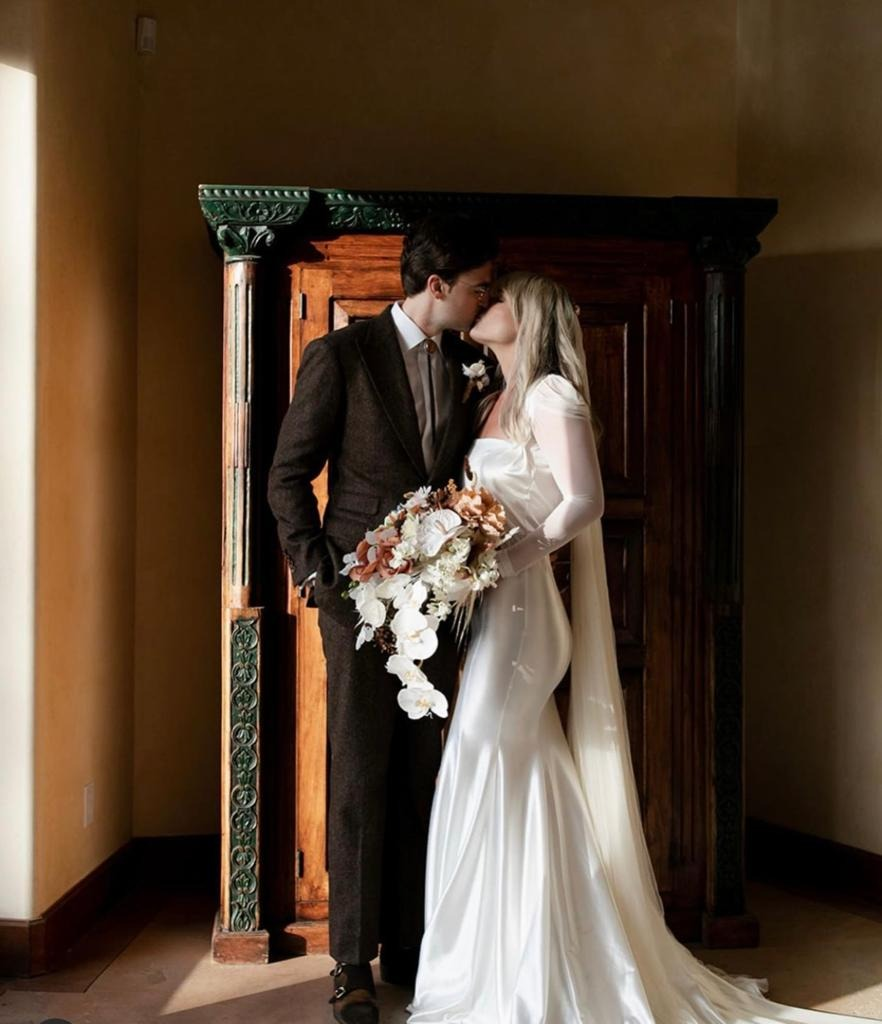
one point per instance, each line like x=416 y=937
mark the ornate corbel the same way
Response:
x=246 y=220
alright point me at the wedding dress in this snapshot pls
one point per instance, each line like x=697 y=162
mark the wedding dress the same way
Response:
x=541 y=904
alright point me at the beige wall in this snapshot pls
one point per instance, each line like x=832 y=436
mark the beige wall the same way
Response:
x=18 y=34
x=810 y=107
x=86 y=395
x=566 y=96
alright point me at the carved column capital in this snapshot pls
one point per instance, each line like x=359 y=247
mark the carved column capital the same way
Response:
x=246 y=220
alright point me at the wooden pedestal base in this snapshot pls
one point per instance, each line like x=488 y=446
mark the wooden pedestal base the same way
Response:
x=734 y=932
x=302 y=937
x=238 y=947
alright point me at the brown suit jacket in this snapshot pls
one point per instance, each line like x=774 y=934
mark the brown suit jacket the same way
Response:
x=353 y=408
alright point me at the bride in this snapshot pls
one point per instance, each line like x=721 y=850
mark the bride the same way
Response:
x=541 y=903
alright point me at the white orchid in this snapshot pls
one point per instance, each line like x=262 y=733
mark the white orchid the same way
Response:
x=349 y=561
x=389 y=589
x=409 y=673
x=364 y=592
x=414 y=635
x=365 y=635
x=371 y=609
x=413 y=596
x=373 y=613
x=418 y=702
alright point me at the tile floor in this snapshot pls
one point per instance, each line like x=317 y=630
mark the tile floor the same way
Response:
x=152 y=962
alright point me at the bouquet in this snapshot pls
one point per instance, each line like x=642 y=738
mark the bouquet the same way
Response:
x=429 y=559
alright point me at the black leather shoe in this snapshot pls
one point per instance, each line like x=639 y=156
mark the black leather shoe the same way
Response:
x=398 y=965
x=355 y=998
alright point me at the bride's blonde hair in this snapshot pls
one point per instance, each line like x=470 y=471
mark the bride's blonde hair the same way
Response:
x=549 y=340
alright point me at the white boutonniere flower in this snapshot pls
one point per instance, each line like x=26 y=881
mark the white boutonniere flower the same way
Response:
x=477 y=377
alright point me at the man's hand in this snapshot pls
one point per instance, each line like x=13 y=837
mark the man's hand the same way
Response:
x=306 y=590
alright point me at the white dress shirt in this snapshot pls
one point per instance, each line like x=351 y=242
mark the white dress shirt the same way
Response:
x=412 y=341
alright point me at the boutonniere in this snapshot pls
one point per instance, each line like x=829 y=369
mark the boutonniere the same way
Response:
x=477 y=377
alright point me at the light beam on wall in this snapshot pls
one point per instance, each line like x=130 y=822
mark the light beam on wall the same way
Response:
x=18 y=204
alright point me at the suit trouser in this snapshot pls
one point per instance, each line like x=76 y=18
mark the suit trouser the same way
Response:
x=382 y=779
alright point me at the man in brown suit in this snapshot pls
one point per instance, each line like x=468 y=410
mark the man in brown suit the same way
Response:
x=382 y=403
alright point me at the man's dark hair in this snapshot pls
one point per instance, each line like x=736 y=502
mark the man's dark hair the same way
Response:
x=445 y=244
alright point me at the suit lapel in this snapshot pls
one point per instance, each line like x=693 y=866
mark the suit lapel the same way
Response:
x=381 y=355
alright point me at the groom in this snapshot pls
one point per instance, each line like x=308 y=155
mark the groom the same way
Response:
x=382 y=403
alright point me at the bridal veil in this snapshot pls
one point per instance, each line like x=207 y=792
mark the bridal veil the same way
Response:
x=680 y=988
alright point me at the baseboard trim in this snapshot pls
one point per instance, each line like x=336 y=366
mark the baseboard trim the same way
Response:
x=28 y=948
x=22 y=948
x=785 y=856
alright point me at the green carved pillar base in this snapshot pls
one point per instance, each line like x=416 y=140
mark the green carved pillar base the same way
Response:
x=238 y=937
x=239 y=947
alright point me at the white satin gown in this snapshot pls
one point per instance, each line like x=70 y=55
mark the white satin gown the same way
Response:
x=522 y=924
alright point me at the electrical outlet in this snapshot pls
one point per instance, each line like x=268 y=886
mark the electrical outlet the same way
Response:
x=88 y=804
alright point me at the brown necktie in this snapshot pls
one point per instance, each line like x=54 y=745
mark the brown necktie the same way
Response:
x=431 y=348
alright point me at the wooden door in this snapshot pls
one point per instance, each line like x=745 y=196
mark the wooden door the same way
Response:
x=348 y=286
